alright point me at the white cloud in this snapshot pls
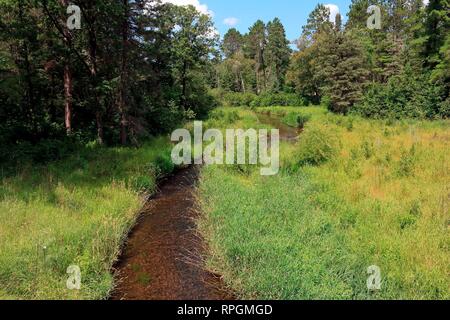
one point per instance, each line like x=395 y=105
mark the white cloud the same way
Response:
x=334 y=10
x=426 y=2
x=231 y=21
x=203 y=8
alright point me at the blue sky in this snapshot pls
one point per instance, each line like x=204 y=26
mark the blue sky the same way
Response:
x=293 y=13
x=243 y=13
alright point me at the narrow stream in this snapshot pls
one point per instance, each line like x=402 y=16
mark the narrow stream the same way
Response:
x=163 y=258
x=287 y=133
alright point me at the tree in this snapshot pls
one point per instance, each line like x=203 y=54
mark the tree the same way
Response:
x=123 y=91
x=304 y=76
x=194 y=40
x=344 y=71
x=277 y=53
x=318 y=22
x=232 y=43
x=437 y=27
x=256 y=46
x=133 y=69
x=305 y=69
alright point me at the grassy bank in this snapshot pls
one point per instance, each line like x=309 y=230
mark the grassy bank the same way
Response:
x=73 y=212
x=352 y=193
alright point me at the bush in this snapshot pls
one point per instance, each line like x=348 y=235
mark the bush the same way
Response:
x=404 y=96
x=326 y=102
x=407 y=161
x=279 y=99
x=317 y=145
x=143 y=184
x=164 y=163
x=295 y=119
x=236 y=99
x=223 y=118
x=41 y=152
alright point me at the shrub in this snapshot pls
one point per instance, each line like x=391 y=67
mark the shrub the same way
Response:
x=222 y=118
x=368 y=149
x=41 y=152
x=278 y=99
x=295 y=119
x=326 y=102
x=236 y=99
x=406 y=164
x=302 y=119
x=164 y=163
x=317 y=145
x=141 y=184
x=404 y=96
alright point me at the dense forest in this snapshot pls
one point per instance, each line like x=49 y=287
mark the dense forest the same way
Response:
x=400 y=70
x=133 y=69
x=139 y=68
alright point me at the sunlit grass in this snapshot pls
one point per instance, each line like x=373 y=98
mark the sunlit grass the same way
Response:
x=312 y=231
x=77 y=211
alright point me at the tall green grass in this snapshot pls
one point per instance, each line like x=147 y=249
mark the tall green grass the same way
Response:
x=378 y=196
x=76 y=211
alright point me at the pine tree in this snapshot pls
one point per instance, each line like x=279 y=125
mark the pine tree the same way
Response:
x=256 y=46
x=277 y=54
x=232 y=43
x=344 y=70
x=437 y=27
x=318 y=22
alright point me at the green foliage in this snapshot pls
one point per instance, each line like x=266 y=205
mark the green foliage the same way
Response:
x=232 y=43
x=407 y=162
x=226 y=118
x=368 y=149
x=295 y=119
x=235 y=99
x=163 y=163
x=143 y=183
x=277 y=55
x=406 y=62
x=343 y=70
x=404 y=96
x=256 y=62
x=99 y=83
x=317 y=145
x=278 y=99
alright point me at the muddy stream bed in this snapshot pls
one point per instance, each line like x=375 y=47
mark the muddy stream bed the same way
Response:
x=164 y=256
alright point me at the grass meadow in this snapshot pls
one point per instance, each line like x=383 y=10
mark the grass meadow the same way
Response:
x=352 y=193
x=76 y=211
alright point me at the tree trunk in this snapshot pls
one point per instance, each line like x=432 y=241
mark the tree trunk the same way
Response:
x=98 y=118
x=29 y=96
x=124 y=76
x=68 y=98
x=67 y=76
x=93 y=70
